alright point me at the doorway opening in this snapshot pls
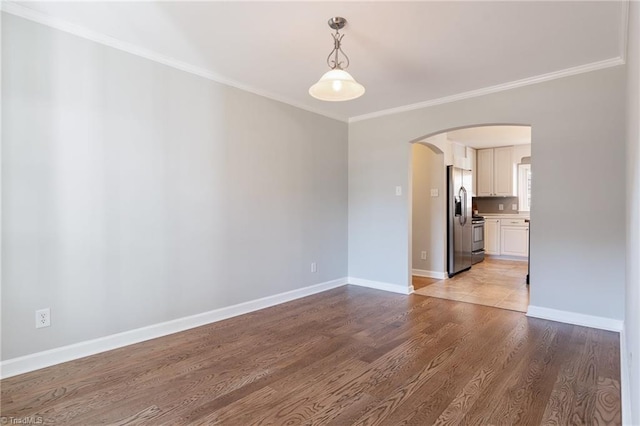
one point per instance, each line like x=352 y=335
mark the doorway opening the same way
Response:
x=471 y=243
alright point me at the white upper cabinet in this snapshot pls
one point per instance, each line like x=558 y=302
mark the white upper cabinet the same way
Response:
x=471 y=155
x=484 y=172
x=459 y=150
x=495 y=174
x=461 y=157
x=503 y=171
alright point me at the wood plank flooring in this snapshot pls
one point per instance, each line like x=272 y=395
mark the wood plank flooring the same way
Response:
x=493 y=282
x=349 y=356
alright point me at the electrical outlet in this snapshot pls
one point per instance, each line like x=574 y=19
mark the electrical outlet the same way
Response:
x=423 y=255
x=434 y=192
x=43 y=318
x=500 y=206
x=398 y=190
x=314 y=267
x=514 y=207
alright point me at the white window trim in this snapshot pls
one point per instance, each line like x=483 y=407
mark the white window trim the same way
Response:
x=523 y=205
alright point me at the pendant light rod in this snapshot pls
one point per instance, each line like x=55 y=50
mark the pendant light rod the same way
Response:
x=337 y=84
x=337 y=24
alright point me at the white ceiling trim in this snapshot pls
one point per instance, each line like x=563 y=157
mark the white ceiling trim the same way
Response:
x=493 y=89
x=62 y=25
x=83 y=32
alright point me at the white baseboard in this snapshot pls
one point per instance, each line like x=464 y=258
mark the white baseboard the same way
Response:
x=394 y=288
x=507 y=257
x=25 y=364
x=428 y=274
x=575 y=318
x=625 y=388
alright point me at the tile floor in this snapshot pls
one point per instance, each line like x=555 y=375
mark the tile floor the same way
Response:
x=494 y=282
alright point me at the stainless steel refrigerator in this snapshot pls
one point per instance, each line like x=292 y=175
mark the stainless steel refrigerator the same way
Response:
x=459 y=232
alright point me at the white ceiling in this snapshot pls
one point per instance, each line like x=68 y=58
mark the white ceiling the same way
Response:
x=491 y=136
x=402 y=52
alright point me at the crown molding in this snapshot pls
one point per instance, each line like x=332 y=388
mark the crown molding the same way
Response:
x=62 y=25
x=83 y=32
x=494 y=89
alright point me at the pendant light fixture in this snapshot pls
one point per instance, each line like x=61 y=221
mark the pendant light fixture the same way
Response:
x=337 y=84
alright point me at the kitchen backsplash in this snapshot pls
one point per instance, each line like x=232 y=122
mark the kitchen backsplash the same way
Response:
x=492 y=204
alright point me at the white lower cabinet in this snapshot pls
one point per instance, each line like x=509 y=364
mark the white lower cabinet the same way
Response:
x=492 y=236
x=506 y=237
x=514 y=238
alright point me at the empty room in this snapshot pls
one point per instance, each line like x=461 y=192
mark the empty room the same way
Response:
x=327 y=213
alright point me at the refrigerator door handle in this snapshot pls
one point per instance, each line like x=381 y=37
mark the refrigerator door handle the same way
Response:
x=466 y=205
x=462 y=193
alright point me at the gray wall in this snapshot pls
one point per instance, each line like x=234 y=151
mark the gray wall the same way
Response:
x=577 y=260
x=428 y=213
x=134 y=193
x=632 y=311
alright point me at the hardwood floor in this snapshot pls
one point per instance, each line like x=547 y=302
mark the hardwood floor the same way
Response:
x=346 y=356
x=494 y=282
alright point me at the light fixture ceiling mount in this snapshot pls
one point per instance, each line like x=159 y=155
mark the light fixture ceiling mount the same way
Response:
x=337 y=23
x=337 y=84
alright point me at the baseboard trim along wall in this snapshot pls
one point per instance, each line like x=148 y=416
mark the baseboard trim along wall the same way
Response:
x=575 y=318
x=394 y=288
x=36 y=361
x=625 y=389
x=428 y=274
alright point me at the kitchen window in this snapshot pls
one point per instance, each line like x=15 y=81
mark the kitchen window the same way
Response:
x=524 y=187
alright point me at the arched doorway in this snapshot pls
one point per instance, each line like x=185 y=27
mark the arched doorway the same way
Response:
x=504 y=274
